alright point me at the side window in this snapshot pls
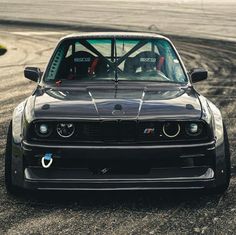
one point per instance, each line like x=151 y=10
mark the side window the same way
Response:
x=56 y=63
x=173 y=67
x=80 y=47
x=69 y=52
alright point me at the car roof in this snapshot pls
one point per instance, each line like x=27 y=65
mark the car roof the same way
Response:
x=131 y=35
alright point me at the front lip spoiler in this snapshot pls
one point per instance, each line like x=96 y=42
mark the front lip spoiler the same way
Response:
x=174 y=183
x=109 y=186
x=27 y=145
x=208 y=175
x=121 y=189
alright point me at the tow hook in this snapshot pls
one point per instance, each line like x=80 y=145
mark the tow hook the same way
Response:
x=47 y=160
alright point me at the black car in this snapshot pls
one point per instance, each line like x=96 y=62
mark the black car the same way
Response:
x=116 y=111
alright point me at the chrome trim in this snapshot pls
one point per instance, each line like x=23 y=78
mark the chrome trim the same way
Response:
x=141 y=104
x=193 y=155
x=212 y=148
x=134 y=147
x=94 y=103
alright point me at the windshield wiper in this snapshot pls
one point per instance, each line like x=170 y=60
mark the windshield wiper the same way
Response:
x=116 y=65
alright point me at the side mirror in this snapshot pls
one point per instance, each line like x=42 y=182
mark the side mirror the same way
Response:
x=32 y=73
x=198 y=75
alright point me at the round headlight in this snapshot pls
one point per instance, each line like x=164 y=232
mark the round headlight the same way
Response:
x=65 y=130
x=193 y=129
x=171 y=129
x=43 y=130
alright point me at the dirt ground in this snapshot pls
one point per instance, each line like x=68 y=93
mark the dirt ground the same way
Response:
x=119 y=212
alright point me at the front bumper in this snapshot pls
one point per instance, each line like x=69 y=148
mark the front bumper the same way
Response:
x=37 y=179
x=119 y=167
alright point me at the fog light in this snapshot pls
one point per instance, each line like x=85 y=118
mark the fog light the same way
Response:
x=65 y=130
x=193 y=129
x=43 y=129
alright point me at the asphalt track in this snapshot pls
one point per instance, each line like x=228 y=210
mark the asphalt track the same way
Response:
x=114 y=212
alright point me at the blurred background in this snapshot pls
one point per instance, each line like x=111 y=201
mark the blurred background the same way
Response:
x=211 y=18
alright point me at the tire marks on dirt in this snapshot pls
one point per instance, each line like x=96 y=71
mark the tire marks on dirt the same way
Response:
x=120 y=212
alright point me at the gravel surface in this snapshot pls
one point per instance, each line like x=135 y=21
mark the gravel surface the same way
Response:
x=115 y=212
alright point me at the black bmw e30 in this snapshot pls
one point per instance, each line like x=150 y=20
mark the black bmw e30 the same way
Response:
x=116 y=111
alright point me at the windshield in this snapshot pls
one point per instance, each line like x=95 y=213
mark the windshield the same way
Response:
x=115 y=59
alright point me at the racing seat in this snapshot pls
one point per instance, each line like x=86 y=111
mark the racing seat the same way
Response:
x=142 y=62
x=82 y=65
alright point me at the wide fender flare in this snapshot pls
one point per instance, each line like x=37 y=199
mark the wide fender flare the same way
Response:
x=17 y=119
x=17 y=155
x=218 y=129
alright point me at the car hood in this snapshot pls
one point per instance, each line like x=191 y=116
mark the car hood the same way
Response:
x=117 y=102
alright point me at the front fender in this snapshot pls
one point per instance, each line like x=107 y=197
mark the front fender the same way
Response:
x=18 y=125
x=218 y=129
x=17 y=120
x=212 y=115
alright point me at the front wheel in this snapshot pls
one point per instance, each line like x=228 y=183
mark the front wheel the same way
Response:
x=8 y=162
x=223 y=187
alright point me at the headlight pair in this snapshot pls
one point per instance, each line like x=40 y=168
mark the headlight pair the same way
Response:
x=173 y=129
x=64 y=130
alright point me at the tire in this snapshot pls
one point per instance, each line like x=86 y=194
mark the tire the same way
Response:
x=11 y=189
x=223 y=187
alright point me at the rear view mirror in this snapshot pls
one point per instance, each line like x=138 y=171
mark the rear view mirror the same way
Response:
x=32 y=73
x=198 y=75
